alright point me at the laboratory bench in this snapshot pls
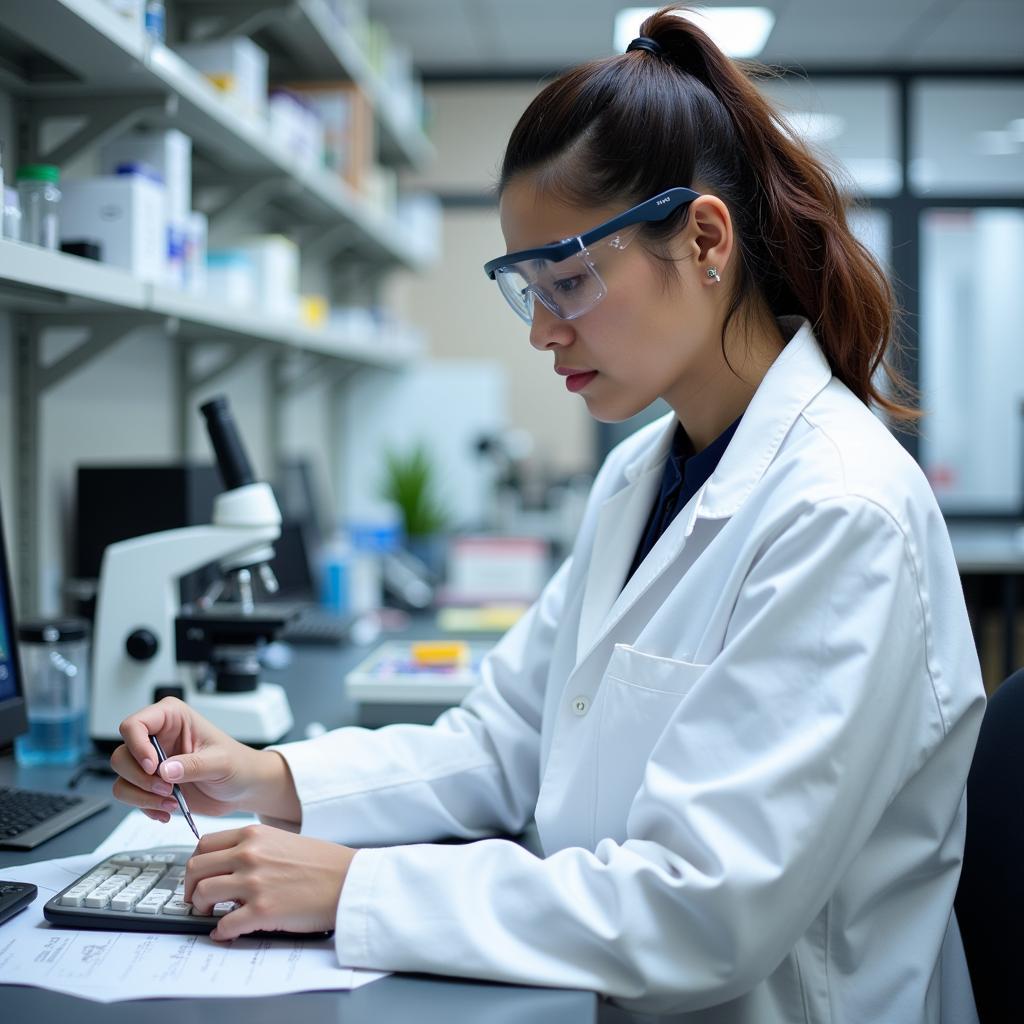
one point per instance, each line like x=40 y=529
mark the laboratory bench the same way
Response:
x=314 y=681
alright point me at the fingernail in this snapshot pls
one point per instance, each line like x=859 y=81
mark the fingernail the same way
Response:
x=148 y=765
x=163 y=788
x=172 y=770
x=169 y=805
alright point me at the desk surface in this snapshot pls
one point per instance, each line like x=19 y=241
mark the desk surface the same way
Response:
x=314 y=684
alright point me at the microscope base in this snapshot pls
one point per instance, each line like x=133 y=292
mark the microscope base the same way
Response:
x=259 y=717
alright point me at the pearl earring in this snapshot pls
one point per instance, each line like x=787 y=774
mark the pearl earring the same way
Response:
x=713 y=275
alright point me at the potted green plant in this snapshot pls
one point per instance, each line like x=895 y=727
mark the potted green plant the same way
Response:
x=410 y=481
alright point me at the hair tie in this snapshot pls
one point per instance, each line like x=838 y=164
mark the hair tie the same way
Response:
x=648 y=44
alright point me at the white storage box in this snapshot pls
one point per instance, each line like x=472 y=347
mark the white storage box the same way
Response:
x=275 y=261
x=169 y=153
x=237 y=67
x=124 y=214
x=231 y=278
x=296 y=129
x=196 y=231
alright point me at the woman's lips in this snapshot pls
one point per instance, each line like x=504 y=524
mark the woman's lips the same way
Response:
x=578 y=381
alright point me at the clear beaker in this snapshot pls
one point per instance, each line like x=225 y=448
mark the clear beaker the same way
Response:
x=55 y=664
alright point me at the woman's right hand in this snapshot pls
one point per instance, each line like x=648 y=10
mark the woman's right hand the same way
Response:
x=217 y=774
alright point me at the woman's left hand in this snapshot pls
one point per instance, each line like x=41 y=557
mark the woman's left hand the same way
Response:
x=282 y=881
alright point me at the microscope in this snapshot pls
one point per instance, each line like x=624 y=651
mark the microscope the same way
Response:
x=148 y=645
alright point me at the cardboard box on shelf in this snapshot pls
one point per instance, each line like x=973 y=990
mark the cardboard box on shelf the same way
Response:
x=350 y=143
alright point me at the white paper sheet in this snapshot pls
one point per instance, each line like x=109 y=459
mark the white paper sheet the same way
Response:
x=137 y=832
x=111 y=966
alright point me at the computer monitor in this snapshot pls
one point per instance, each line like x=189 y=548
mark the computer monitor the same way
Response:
x=13 y=721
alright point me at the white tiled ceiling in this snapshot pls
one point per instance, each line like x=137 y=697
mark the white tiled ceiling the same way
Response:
x=493 y=36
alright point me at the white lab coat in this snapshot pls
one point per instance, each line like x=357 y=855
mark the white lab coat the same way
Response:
x=747 y=768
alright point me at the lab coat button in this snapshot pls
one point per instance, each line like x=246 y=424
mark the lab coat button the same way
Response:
x=580 y=705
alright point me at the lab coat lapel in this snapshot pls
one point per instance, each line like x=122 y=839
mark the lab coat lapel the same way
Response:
x=616 y=536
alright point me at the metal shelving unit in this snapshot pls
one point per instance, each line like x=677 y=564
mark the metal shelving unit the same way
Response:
x=96 y=68
x=314 y=45
x=79 y=58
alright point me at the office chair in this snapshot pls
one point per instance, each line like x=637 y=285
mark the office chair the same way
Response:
x=990 y=897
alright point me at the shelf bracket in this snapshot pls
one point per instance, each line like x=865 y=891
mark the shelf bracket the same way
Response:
x=238 y=352
x=244 y=201
x=33 y=379
x=106 y=118
x=322 y=243
x=319 y=370
x=220 y=20
x=105 y=331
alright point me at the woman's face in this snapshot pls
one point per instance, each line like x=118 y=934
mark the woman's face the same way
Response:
x=647 y=338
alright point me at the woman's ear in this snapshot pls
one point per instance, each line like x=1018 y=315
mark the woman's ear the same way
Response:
x=709 y=237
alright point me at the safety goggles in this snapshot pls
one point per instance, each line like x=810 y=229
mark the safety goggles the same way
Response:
x=564 y=275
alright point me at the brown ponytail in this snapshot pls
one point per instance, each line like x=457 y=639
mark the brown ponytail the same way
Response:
x=691 y=115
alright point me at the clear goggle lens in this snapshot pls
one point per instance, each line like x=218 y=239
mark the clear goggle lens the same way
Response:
x=569 y=288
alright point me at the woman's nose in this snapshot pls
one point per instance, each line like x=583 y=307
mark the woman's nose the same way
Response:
x=547 y=330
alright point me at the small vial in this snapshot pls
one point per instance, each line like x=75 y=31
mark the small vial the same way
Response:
x=40 y=198
x=12 y=215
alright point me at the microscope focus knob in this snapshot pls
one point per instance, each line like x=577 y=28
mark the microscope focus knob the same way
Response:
x=142 y=644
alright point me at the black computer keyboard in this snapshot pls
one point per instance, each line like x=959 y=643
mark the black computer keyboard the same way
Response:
x=316 y=626
x=28 y=816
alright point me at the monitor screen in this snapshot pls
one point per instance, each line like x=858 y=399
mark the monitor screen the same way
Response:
x=12 y=706
x=7 y=680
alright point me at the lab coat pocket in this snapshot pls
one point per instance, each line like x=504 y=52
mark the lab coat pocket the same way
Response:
x=639 y=695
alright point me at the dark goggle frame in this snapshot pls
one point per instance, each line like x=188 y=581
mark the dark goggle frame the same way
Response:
x=649 y=211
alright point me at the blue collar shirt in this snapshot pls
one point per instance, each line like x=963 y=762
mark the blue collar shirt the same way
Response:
x=684 y=475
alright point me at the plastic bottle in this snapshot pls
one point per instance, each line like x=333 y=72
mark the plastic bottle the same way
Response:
x=40 y=199
x=335 y=575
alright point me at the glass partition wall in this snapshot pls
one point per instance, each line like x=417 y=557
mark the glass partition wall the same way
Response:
x=934 y=167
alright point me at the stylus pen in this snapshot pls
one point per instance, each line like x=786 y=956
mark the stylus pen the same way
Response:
x=175 y=791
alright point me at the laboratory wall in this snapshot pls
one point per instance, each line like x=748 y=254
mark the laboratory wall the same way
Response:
x=454 y=301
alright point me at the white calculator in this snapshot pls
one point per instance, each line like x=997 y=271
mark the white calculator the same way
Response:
x=140 y=891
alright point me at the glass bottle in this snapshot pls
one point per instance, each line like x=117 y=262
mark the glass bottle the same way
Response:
x=40 y=198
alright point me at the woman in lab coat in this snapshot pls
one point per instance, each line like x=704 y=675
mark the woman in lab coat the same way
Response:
x=742 y=712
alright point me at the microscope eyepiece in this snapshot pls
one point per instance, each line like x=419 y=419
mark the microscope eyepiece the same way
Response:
x=235 y=468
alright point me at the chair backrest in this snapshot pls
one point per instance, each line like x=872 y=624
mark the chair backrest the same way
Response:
x=990 y=897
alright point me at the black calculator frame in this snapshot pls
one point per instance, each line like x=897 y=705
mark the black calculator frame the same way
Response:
x=128 y=922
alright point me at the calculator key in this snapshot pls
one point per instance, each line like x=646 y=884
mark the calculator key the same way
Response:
x=95 y=877
x=74 y=899
x=125 y=900
x=178 y=907
x=152 y=903
x=220 y=909
x=129 y=872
